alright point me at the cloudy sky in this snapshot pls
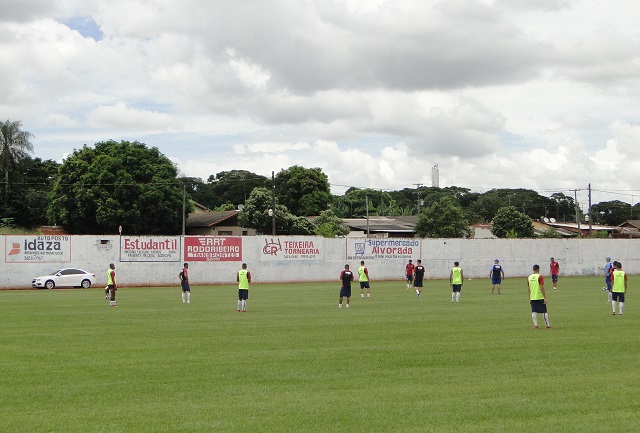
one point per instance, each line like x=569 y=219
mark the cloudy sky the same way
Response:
x=498 y=93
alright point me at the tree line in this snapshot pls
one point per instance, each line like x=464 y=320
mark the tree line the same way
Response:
x=98 y=188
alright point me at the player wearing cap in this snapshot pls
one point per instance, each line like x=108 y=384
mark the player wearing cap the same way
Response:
x=608 y=271
x=496 y=274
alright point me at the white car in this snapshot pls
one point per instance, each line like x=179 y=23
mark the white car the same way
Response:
x=69 y=277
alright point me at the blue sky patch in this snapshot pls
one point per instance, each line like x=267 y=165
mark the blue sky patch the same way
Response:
x=86 y=26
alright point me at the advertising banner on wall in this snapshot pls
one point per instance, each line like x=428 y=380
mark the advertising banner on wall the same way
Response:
x=292 y=248
x=149 y=249
x=377 y=248
x=212 y=249
x=37 y=249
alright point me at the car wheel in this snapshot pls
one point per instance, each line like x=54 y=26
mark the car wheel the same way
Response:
x=86 y=284
x=49 y=284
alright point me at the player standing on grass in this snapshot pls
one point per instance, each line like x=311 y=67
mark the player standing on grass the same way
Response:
x=184 y=282
x=345 y=291
x=537 y=297
x=608 y=271
x=363 y=278
x=496 y=274
x=619 y=288
x=419 y=276
x=243 y=278
x=555 y=270
x=111 y=284
x=409 y=270
x=456 y=276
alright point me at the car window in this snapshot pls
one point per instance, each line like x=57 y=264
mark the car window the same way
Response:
x=70 y=272
x=55 y=272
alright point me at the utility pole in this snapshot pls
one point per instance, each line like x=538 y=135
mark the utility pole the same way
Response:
x=575 y=198
x=418 y=185
x=366 y=205
x=273 y=203
x=184 y=208
x=589 y=211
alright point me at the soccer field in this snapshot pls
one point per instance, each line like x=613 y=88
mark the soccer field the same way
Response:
x=296 y=363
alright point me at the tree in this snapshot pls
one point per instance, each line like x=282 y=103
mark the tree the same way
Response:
x=510 y=221
x=32 y=181
x=255 y=215
x=114 y=184
x=14 y=145
x=304 y=191
x=329 y=225
x=443 y=219
x=611 y=213
x=563 y=207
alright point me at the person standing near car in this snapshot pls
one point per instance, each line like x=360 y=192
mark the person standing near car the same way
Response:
x=184 y=282
x=111 y=284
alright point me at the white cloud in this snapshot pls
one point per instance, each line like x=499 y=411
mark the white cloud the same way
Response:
x=498 y=93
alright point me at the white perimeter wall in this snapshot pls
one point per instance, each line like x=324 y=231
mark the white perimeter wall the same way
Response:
x=151 y=261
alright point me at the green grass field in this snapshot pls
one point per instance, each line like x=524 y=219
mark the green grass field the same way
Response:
x=296 y=363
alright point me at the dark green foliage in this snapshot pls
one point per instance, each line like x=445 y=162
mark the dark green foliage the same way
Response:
x=511 y=223
x=443 y=219
x=611 y=213
x=114 y=184
x=329 y=225
x=256 y=216
x=304 y=191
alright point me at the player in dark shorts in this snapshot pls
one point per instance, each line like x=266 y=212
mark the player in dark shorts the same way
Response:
x=418 y=277
x=497 y=274
x=346 y=276
x=409 y=270
x=184 y=282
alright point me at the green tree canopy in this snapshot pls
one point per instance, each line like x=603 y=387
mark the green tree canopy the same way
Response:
x=118 y=183
x=509 y=222
x=611 y=213
x=14 y=147
x=32 y=181
x=255 y=215
x=329 y=225
x=443 y=219
x=304 y=191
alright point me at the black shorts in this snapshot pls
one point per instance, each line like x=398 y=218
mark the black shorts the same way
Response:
x=538 y=306
x=243 y=294
x=554 y=278
x=409 y=278
x=185 y=286
x=617 y=296
x=456 y=287
x=417 y=282
x=364 y=285
x=345 y=292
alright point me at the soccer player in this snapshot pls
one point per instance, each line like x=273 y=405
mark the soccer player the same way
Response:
x=618 y=288
x=608 y=271
x=537 y=297
x=418 y=277
x=184 y=282
x=456 y=276
x=363 y=274
x=555 y=270
x=111 y=284
x=409 y=270
x=345 y=291
x=243 y=278
x=496 y=274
